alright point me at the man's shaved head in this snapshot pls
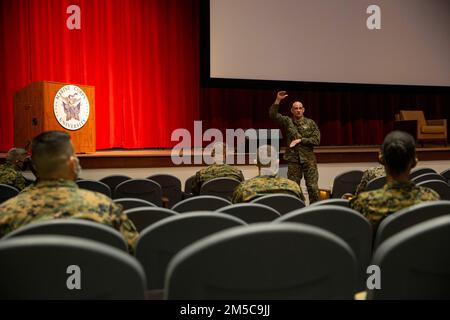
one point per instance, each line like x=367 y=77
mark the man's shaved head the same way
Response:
x=51 y=152
x=16 y=153
x=17 y=157
x=297 y=110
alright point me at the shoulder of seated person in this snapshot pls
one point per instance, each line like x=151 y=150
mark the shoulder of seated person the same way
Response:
x=366 y=195
x=429 y=192
x=94 y=195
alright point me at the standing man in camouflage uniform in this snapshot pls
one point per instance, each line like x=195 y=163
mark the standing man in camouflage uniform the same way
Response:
x=57 y=196
x=219 y=169
x=11 y=171
x=398 y=155
x=267 y=181
x=302 y=136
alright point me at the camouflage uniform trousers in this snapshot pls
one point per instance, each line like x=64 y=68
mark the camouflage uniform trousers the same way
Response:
x=308 y=169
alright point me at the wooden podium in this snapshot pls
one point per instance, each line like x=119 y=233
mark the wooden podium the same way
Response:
x=35 y=111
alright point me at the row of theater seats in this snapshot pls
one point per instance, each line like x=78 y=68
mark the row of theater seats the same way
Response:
x=165 y=189
x=161 y=190
x=347 y=182
x=320 y=251
x=350 y=227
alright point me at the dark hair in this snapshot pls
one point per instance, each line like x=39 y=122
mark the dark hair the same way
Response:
x=399 y=149
x=50 y=149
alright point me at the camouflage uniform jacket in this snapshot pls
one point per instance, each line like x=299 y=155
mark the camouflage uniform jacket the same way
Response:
x=215 y=171
x=375 y=205
x=368 y=175
x=263 y=185
x=305 y=129
x=10 y=175
x=63 y=199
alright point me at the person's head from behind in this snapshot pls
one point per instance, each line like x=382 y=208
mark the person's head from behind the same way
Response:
x=398 y=154
x=17 y=157
x=53 y=156
x=267 y=160
x=297 y=110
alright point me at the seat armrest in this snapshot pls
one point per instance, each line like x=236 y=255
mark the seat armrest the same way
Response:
x=440 y=122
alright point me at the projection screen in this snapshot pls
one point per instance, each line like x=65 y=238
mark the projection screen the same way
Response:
x=331 y=41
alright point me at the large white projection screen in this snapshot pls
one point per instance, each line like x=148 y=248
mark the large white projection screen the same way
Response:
x=329 y=41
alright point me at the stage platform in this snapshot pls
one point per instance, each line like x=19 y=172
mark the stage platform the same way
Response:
x=150 y=158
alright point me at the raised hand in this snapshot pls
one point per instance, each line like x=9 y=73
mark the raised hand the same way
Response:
x=280 y=96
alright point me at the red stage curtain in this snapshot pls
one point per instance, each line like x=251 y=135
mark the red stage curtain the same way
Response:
x=141 y=56
x=353 y=116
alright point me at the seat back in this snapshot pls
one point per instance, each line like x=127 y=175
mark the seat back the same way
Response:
x=158 y=243
x=220 y=187
x=442 y=188
x=282 y=203
x=446 y=175
x=95 y=186
x=142 y=217
x=114 y=180
x=200 y=203
x=188 y=184
x=251 y=212
x=428 y=176
x=49 y=267
x=7 y=192
x=334 y=202
x=75 y=228
x=376 y=183
x=247 y=263
x=408 y=217
x=130 y=203
x=420 y=171
x=415 y=263
x=347 y=224
x=346 y=182
x=170 y=186
x=140 y=188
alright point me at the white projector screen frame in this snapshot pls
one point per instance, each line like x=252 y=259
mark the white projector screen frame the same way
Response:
x=328 y=41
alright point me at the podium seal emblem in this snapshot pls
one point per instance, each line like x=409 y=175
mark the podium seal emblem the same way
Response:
x=71 y=107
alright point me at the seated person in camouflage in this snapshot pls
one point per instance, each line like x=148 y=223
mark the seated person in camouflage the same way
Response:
x=398 y=155
x=267 y=182
x=11 y=171
x=56 y=195
x=368 y=175
x=219 y=169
